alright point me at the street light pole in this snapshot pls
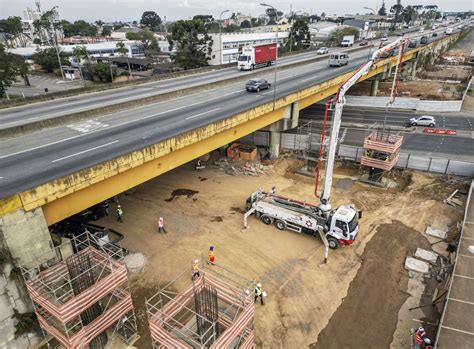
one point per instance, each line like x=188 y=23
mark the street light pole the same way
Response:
x=221 y=47
x=275 y=69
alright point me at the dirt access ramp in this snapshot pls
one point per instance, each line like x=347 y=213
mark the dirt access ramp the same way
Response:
x=367 y=318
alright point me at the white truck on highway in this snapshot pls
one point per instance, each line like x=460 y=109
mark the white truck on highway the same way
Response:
x=347 y=40
x=338 y=226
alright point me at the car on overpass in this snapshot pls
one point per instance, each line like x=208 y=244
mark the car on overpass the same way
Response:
x=424 y=120
x=363 y=43
x=257 y=85
x=338 y=59
x=322 y=51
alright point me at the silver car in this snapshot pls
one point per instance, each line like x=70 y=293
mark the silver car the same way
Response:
x=322 y=51
x=423 y=120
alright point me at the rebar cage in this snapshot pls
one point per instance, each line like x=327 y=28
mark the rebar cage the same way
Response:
x=215 y=310
x=81 y=297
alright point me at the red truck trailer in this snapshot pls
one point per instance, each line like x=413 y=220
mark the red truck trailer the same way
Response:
x=257 y=56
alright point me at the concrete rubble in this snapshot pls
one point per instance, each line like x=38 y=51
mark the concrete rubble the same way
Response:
x=427 y=256
x=416 y=268
x=247 y=168
x=440 y=234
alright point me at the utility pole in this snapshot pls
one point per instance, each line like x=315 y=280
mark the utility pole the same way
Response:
x=221 y=46
x=275 y=69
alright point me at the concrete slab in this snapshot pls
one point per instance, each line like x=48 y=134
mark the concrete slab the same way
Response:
x=413 y=264
x=436 y=233
x=428 y=256
x=458 y=316
x=465 y=266
x=453 y=339
x=462 y=290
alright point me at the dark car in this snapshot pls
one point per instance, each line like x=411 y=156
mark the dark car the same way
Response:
x=434 y=35
x=363 y=43
x=257 y=85
x=413 y=44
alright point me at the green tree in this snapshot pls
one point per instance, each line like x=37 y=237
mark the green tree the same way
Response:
x=124 y=52
x=382 y=10
x=337 y=35
x=81 y=53
x=9 y=70
x=299 y=36
x=397 y=10
x=151 y=20
x=231 y=28
x=46 y=27
x=48 y=59
x=12 y=25
x=132 y=36
x=149 y=42
x=106 y=31
x=104 y=71
x=408 y=14
x=256 y=22
x=204 y=18
x=193 y=43
x=22 y=67
x=245 y=24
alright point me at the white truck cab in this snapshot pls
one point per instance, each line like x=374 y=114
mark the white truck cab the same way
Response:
x=246 y=59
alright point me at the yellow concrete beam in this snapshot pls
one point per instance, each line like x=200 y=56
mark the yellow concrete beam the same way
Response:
x=68 y=195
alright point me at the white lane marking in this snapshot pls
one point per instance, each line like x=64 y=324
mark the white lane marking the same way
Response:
x=311 y=78
x=206 y=112
x=87 y=126
x=85 y=151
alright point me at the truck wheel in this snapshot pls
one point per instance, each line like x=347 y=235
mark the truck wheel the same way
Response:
x=333 y=244
x=280 y=224
x=266 y=219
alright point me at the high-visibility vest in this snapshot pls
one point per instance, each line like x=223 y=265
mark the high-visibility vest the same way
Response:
x=258 y=291
x=419 y=335
x=211 y=256
x=119 y=211
x=161 y=223
x=196 y=267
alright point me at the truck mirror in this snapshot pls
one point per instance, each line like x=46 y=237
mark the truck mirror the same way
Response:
x=360 y=214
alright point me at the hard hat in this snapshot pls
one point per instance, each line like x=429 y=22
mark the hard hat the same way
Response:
x=161 y=218
x=259 y=285
x=196 y=261
x=421 y=329
x=427 y=341
x=211 y=248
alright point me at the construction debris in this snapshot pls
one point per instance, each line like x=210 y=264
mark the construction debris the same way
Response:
x=246 y=168
x=242 y=151
x=426 y=255
x=416 y=266
x=454 y=199
x=440 y=234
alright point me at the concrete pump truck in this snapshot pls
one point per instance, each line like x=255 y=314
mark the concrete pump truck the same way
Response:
x=336 y=226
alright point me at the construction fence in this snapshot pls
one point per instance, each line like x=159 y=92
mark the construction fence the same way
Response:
x=416 y=162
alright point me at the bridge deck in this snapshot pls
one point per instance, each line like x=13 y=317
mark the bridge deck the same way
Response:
x=456 y=329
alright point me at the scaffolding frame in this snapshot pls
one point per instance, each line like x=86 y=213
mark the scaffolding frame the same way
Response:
x=308 y=143
x=174 y=323
x=60 y=297
x=381 y=150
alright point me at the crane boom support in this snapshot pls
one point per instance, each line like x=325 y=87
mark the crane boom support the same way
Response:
x=337 y=117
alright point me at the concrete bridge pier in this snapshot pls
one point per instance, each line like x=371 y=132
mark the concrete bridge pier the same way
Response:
x=289 y=121
x=25 y=241
x=374 y=87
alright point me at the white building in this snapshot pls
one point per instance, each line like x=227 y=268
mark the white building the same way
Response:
x=226 y=46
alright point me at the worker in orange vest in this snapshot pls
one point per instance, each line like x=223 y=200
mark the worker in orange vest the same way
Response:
x=196 y=273
x=211 y=255
x=420 y=336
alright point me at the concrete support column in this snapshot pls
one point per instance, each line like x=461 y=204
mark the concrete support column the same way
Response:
x=275 y=139
x=26 y=236
x=413 y=67
x=374 y=87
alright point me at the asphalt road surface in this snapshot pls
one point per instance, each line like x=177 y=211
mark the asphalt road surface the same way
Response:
x=37 y=158
x=15 y=116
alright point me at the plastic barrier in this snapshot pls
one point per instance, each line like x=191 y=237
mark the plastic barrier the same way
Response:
x=440 y=131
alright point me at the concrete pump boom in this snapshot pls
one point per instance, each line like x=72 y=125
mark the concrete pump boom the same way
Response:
x=339 y=101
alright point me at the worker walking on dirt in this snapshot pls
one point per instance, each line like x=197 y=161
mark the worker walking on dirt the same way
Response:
x=212 y=259
x=274 y=190
x=196 y=273
x=161 y=226
x=420 y=336
x=258 y=293
x=119 y=213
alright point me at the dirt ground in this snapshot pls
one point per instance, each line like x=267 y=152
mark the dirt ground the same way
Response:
x=377 y=292
x=303 y=294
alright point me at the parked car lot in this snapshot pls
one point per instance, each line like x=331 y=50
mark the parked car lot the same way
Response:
x=257 y=85
x=424 y=120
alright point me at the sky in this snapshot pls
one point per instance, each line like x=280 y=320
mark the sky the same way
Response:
x=129 y=10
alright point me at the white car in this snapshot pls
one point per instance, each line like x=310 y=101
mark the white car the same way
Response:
x=422 y=30
x=384 y=39
x=423 y=120
x=322 y=51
